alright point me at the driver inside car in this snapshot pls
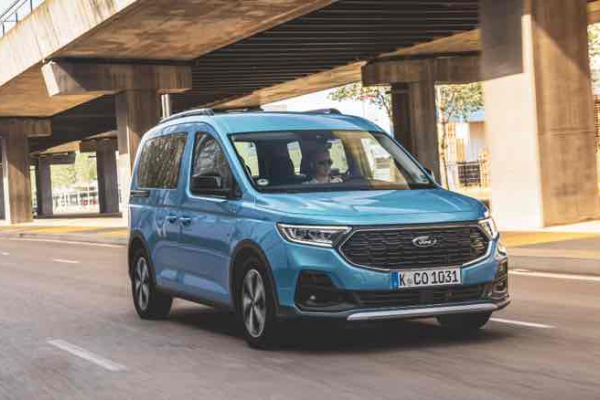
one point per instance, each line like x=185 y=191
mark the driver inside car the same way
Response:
x=320 y=167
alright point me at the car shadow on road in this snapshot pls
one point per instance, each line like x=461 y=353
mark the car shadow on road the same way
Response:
x=336 y=337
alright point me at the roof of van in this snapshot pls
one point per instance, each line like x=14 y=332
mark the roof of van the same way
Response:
x=245 y=122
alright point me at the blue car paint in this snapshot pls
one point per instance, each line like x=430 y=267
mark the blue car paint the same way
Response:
x=195 y=261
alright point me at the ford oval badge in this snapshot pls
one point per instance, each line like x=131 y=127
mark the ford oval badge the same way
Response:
x=424 y=241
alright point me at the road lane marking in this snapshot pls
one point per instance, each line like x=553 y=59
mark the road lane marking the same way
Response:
x=86 y=355
x=114 y=246
x=556 y=253
x=5 y=253
x=587 y=278
x=60 y=260
x=521 y=323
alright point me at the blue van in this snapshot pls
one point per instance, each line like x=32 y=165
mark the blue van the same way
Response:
x=280 y=216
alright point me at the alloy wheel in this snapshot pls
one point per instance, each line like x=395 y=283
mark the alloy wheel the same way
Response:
x=142 y=283
x=254 y=305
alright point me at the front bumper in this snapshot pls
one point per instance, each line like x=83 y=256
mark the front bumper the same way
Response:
x=350 y=282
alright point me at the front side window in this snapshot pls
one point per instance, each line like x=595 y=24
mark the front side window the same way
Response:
x=328 y=160
x=210 y=160
x=160 y=162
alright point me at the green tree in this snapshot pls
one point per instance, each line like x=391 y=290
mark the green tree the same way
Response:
x=83 y=172
x=376 y=95
x=63 y=175
x=456 y=103
x=85 y=165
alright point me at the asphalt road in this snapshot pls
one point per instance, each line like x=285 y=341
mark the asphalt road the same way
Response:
x=68 y=330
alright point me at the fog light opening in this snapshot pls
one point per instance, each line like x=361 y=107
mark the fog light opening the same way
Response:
x=500 y=284
x=316 y=292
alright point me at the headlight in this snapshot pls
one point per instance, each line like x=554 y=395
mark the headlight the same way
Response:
x=502 y=248
x=489 y=226
x=323 y=236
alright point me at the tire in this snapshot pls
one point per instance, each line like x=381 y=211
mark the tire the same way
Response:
x=464 y=322
x=256 y=305
x=148 y=301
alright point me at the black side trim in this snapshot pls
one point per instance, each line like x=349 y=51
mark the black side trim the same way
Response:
x=195 y=299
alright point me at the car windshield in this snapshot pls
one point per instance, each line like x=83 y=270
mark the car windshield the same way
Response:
x=305 y=161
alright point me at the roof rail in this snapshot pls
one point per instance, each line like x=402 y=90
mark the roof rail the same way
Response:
x=324 y=111
x=189 y=113
x=238 y=110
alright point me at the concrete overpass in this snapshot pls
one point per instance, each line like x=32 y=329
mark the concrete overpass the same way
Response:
x=102 y=66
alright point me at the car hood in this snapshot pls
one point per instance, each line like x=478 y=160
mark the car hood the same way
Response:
x=374 y=204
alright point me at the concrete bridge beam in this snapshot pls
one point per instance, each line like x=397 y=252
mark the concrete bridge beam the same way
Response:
x=539 y=112
x=65 y=78
x=456 y=69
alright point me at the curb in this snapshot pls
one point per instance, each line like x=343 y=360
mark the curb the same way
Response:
x=66 y=238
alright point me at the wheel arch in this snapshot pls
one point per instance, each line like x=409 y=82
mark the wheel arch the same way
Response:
x=241 y=251
x=137 y=242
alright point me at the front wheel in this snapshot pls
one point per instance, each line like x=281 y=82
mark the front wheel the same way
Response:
x=464 y=322
x=256 y=308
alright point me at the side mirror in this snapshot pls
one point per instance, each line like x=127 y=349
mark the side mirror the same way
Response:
x=430 y=173
x=210 y=185
x=206 y=183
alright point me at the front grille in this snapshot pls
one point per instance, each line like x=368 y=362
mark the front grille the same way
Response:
x=394 y=248
x=419 y=297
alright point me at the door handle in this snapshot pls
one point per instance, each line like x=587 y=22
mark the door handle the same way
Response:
x=172 y=219
x=185 y=221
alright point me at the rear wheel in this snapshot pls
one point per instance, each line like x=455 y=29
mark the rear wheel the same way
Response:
x=256 y=305
x=464 y=322
x=148 y=301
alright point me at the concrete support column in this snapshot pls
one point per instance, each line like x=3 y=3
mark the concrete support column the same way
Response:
x=108 y=182
x=16 y=178
x=137 y=112
x=1 y=195
x=401 y=115
x=539 y=112
x=1 y=185
x=415 y=121
x=43 y=180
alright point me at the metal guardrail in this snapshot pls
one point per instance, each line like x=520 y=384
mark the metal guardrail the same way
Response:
x=15 y=13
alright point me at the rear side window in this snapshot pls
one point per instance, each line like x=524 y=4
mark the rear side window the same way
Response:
x=160 y=162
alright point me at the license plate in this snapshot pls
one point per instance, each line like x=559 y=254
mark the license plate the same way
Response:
x=426 y=278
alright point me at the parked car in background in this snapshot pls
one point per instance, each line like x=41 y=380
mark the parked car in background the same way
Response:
x=281 y=216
